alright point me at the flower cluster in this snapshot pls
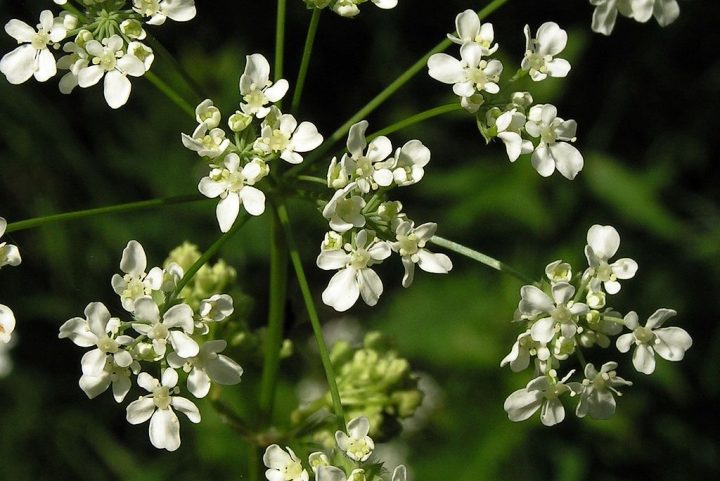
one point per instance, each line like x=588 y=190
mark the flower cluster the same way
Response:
x=351 y=461
x=566 y=313
x=366 y=228
x=348 y=8
x=160 y=330
x=606 y=11
x=9 y=256
x=524 y=128
x=374 y=382
x=102 y=42
x=262 y=133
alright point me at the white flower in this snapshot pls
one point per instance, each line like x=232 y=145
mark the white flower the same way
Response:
x=356 y=443
x=558 y=271
x=470 y=75
x=332 y=473
x=159 y=11
x=349 y=8
x=602 y=243
x=109 y=60
x=509 y=126
x=7 y=324
x=540 y=51
x=135 y=283
x=519 y=356
x=215 y=309
x=142 y=52
x=409 y=162
x=281 y=134
x=317 y=460
x=669 y=342
x=257 y=89
x=206 y=113
x=367 y=167
x=469 y=29
x=410 y=244
x=33 y=57
x=207 y=144
x=605 y=14
x=596 y=397
x=541 y=393
x=133 y=29
x=355 y=278
x=75 y=60
x=180 y=316
x=345 y=212
x=112 y=374
x=207 y=366
x=554 y=149
x=9 y=254
x=553 y=315
x=234 y=186
x=283 y=466
x=157 y=406
x=98 y=330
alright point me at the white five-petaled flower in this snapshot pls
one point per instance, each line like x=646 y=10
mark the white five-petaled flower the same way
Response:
x=356 y=443
x=283 y=466
x=135 y=283
x=158 y=407
x=210 y=144
x=540 y=51
x=206 y=113
x=409 y=163
x=469 y=29
x=364 y=163
x=541 y=393
x=234 y=186
x=215 y=309
x=355 y=278
x=344 y=210
x=7 y=324
x=519 y=356
x=281 y=134
x=75 y=60
x=554 y=150
x=669 y=342
x=410 y=244
x=257 y=89
x=509 y=127
x=554 y=315
x=175 y=325
x=470 y=75
x=112 y=374
x=108 y=59
x=207 y=366
x=33 y=57
x=98 y=330
x=596 y=397
x=605 y=14
x=602 y=243
x=349 y=8
x=160 y=10
x=9 y=254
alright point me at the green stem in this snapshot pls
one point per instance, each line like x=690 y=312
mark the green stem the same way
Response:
x=305 y=62
x=380 y=98
x=113 y=209
x=276 y=316
x=480 y=257
x=169 y=58
x=312 y=313
x=170 y=93
x=414 y=119
x=212 y=250
x=254 y=463
x=313 y=179
x=280 y=39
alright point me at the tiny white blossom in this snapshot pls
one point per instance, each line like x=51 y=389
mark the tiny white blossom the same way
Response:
x=551 y=315
x=317 y=460
x=112 y=375
x=9 y=254
x=206 y=113
x=210 y=144
x=540 y=52
x=410 y=244
x=554 y=150
x=509 y=127
x=519 y=356
x=76 y=59
x=596 y=397
x=158 y=407
x=135 y=283
x=207 y=366
x=356 y=443
x=7 y=324
x=605 y=14
x=349 y=8
x=133 y=29
x=215 y=309
x=344 y=210
x=470 y=29
x=409 y=163
x=174 y=327
x=234 y=186
x=281 y=134
x=542 y=393
x=365 y=164
x=283 y=466
x=602 y=243
x=160 y=10
x=32 y=57
x=669 y=342
x=257 y=89
x=558 y=271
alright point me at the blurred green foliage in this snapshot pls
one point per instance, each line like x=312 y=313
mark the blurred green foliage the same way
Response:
x=646 y=103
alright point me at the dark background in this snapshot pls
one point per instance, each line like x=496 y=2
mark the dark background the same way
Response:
x=646 y=102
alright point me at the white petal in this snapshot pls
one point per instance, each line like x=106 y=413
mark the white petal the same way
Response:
x=356 y=142
x=78 y=331
x=370 y=286
x=446 y=69
x=277 y=91
x=673 y=342
x=625 y=342
x=332 y=260
x=434 y=263
x=604 y=240
x=275 y=457
x=117 y=89
x=93 y=386
x=522 y=404
x=179 y=10
x=666 y=12
x=534 y=301
x=120 y=388
x=358 y=427
x=180 y=315
x=93 y=362
x=253 y=200
x=131 y=65
x=198 y=383
x=543 y=330
x=147 y=310
x=134 y=261
x=18 y=65
x=568 y=159
x=224 y=370
x=183 y=344
x=186 y=407
x=659 y=317
x=342 y=290
x=551 y=39
x=19 y=30
x=165 y=430
x=542 y=161
x=140 y=411
x=46 y=67
x=209 y=188
x=644 y=359
x=552 y=412
x=227 y=211
x=603 y=19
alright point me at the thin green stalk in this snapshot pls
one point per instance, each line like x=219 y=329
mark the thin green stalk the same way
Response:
x=170 y=93
x=480 y=257
x=305 y=62
x=280 y=39
x=276 y=316
x=254 y=463
x=380 y=98
x=112 y=209
x=314 y=180
x=209 y=253
x=417 y=118
x=170 y=58
x=313 y=315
